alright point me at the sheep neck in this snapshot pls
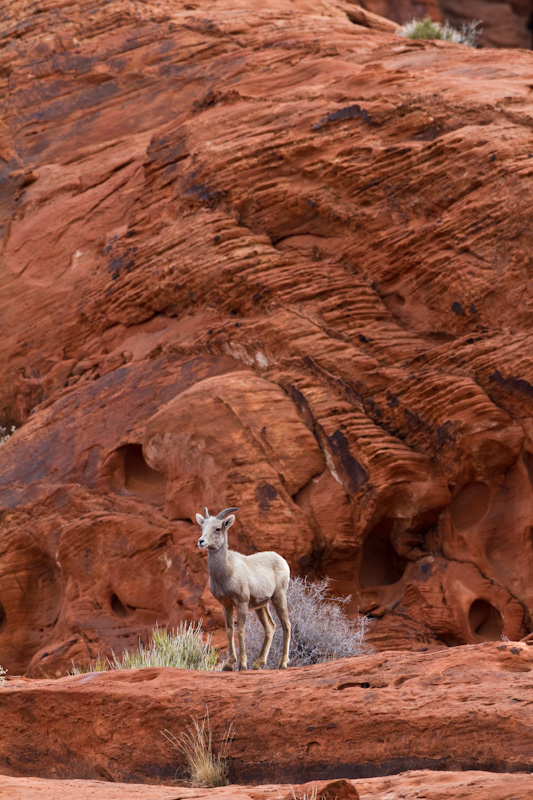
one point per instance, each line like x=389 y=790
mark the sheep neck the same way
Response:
x=217 y=559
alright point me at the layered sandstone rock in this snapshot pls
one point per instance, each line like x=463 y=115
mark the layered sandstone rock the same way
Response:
x=275 y=258
x=465 y=708
x=435 y=785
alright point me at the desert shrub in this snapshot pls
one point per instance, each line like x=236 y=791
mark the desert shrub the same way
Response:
x=321 y=631
x=2 y=673
x=5 y=433
x=426 y=28
x=186 y=648
x=195 y=744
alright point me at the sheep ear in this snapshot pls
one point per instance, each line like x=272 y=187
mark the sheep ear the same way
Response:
x=228 y=522
x=199 y=519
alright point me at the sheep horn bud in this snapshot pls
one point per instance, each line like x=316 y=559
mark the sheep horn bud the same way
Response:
x=225 y=513
x=206 y=512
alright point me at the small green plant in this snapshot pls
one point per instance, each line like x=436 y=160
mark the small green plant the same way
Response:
x=426 y=28
x=195 y=744
x=321 y=630
x=2 y=673
x=186 y=648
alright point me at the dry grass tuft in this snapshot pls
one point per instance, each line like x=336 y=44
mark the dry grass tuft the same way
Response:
x=185 y=648
x=308 y=795
x=313 y=794
x=100 y=665
x=195 y=744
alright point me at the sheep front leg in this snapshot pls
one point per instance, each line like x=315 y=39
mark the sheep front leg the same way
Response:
x=232 y=656
x=242 y=613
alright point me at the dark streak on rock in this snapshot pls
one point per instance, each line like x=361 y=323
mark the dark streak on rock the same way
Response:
x=445 y=433
x=265 y=494
x=342 y=114
x=514 y=385
x=356 y=476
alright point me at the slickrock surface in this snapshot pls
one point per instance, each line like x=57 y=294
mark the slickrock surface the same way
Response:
x=466 y=708
x=263 y=256
x=407 y=786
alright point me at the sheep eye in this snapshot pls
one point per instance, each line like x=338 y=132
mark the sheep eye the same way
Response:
x=217 y=530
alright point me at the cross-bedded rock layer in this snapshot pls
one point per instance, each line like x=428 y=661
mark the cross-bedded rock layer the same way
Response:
x=465 y=708
x=435 y=785
x=408 y=786
x=270 y=258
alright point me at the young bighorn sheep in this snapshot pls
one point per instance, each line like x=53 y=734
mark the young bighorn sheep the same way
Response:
x=245 y=582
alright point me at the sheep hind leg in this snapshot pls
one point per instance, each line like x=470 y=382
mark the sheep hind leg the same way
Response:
x=232 y=656
x=265 y=617
x=280 y=604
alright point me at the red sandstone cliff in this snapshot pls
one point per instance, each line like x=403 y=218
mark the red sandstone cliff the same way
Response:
x=264 y=257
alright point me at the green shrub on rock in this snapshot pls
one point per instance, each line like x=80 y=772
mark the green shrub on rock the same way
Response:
x=428 y=29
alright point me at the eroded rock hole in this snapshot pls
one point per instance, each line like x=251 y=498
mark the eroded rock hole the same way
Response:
x=3 y=618
x=117 y=607
x=470 y=505
x=380 y=564
x=342 y=686
x=139 y=477
x=485 y=621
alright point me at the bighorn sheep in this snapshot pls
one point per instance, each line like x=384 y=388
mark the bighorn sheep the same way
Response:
x=245 y=582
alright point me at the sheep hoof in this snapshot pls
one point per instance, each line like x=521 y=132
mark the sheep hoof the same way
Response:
x=227 y=668
x=282 y=666
x=258 y=665
x=243 y=667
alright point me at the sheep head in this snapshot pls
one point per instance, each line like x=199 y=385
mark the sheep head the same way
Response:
x=215 y=529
